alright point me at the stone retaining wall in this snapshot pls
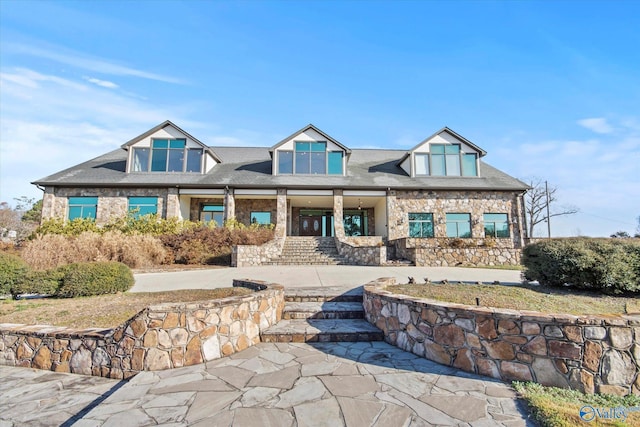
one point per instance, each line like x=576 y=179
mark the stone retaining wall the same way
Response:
x=252 y=255
x=366 y=250
x=438 y=253
x=588 y=353
x=160 y=337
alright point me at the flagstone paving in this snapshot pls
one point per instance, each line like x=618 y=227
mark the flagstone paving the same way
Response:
x=271 y=384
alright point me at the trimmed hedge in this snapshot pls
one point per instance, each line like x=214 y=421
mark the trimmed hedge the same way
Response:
x=12 y=270
x=94 y=278
x=43 y=282
x=608 y=265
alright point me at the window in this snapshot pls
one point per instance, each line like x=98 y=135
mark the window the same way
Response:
x=167 y=155
x=469 y=167
x=458 y=225
x=335 y=163
x=214 y=213
x=311 y=158
x=446 y=160
x=83 y=207
x=141 y=206
x=285 y=162
x=496 y=225
x=422 y=164
x=262 y=218
x=421 y=225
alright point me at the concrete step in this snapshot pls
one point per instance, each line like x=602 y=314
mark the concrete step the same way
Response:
x=321 y=330
x=323 y=310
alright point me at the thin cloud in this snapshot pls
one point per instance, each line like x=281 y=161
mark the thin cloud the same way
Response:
x=76 y=59
x=597 y=125
x=101 y=83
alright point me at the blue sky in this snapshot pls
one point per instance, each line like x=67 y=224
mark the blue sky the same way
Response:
x=548 y=89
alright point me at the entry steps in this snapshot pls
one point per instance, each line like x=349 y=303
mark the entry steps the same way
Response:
x=322 y=315
x=308 y=250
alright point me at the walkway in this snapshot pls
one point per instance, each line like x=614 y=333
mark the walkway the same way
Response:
x=344 y=276
x=329 y=384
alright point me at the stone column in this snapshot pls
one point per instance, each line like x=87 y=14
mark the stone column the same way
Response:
x=173 y=203
x=281 y=214
x=229 y=205
x=48 y=204
x=393 y=217
x=518 y=227
x=338 y=214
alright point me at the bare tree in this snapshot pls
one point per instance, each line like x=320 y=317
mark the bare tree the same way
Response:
x=538 y=202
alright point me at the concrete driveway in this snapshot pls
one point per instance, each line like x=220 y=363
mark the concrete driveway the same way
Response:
x=314 y=276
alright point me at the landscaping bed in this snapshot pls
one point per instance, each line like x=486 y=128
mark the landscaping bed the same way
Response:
x=524 y=297
x=102 y=311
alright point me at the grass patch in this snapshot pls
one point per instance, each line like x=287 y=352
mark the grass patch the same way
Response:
x=557 y=407
x=524 y=297
x=103 y=311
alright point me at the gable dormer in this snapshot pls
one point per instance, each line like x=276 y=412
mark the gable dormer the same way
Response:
x=167 y=148
x=445 y=153
x=309 y=151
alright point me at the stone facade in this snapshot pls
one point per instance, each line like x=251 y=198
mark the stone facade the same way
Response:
x=111 y=202
x=368 y=250
x=159 y=337
x=588 y=353
x=439 y=252
x=244 y=207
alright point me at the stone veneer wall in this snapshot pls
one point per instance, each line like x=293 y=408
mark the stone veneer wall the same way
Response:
x=253 y=255
x=160 y=337
x=111 y=202
x=433 y=252
x=367 y=250
x=589 y=353
x=439 y=203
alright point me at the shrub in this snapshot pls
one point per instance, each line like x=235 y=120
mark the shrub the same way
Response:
x=53 y=250
x=206 y=245
x=129 y=224
x=95 y=278
x=609 y=265
x=44 y=282
x=12 y=269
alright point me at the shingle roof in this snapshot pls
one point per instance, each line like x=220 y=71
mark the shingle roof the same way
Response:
x=250 y=167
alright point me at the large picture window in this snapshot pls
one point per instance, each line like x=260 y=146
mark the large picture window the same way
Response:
x=167 y=155
x=141 y=206
x=458 y=225
x=262 y=218
x=496 y=225
x=212 y=212
x=421 y=225
x=83 y=207
x=445 y=160
x=310 y=158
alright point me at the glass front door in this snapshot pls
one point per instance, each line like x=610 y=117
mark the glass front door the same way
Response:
x=315 y=222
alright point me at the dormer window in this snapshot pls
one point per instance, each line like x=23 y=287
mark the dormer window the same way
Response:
x=310 y=158
x=446 y=160
x=167 y=155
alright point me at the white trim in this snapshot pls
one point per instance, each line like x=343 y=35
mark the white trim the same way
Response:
x=255 y=191
x=195 y=191
x=357 y=193
x=309 y=192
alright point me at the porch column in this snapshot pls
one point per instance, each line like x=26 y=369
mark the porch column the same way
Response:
x=229 y=204
x=173 y=203
x=49 y=205
x=394 y=217
x=338 y=218
x=281 y=214
x=518 y=223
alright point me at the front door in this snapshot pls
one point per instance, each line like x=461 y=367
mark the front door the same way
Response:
x=311 y=225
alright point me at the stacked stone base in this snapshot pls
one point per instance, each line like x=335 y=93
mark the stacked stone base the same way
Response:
x=589 y=353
